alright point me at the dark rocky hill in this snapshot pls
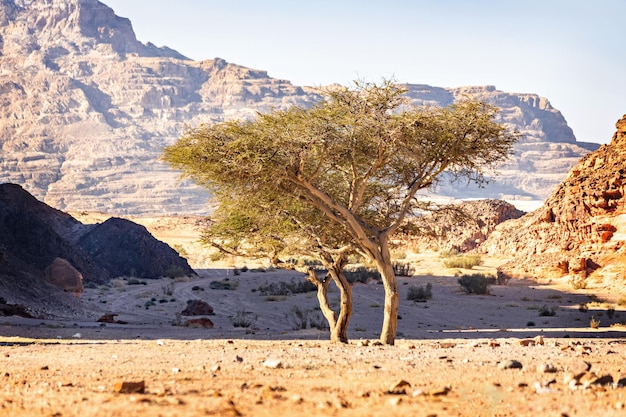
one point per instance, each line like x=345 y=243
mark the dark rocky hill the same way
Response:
x=86 y=109
x=33 y=235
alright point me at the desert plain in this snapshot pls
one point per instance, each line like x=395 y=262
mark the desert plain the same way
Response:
x=528 y=348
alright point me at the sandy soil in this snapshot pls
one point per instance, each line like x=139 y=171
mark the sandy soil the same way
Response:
x=456 y=355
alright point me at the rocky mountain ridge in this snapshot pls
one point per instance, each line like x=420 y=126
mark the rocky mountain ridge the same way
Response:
x=85 y=110
x=581 y=228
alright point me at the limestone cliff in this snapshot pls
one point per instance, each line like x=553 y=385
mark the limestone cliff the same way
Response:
x=85 y=110
x=581 y=228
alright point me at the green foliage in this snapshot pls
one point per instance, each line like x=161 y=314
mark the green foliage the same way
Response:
x=464 y=262
x=336 y=176
x=362 y=275
x=476 y=283
x=420 y=293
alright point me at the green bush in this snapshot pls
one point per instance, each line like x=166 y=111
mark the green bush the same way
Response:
x=224 y=284
x=286 y=288
x=420 y=294
x=362 y=274
x=544 y=311
x=476 y=283
x=464 y=262
x=403 y=269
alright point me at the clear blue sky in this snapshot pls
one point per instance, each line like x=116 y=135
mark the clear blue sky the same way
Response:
x=572 y=52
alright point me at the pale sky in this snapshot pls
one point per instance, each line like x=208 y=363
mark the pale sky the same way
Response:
x=573 y=52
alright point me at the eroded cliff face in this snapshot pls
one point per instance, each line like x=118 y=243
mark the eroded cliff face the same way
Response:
x=581 y=228
x=86 y=109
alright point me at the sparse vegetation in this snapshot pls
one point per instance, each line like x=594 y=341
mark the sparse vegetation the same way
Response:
x=302 y=319
x=578 y=282
x=476 y=283
x=464 y=261
x=362 y=274
x=175 y=271
x=546 y=311
x=243 y=319
x=403 y=269
x=594 y=323
x=420 y=293
x=610 y=312
x=168 y=289
x=225 y=284
x=282 y=288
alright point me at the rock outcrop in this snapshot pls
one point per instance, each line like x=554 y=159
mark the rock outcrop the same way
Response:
x=125 y=248
x=86 y=109
x=461 y=227
x=62 y=274
x=580 y=229
x=44 y=251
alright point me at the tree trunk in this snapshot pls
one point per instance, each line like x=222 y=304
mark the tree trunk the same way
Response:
x=339 y=333
x=392 y=297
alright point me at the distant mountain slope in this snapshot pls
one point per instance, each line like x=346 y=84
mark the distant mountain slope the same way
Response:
x=85 y=110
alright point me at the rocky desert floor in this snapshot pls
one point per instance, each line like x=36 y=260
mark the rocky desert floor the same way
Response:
x=527 y=349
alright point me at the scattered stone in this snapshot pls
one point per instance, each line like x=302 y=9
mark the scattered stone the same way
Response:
x=363 y=343
x=539 y=340
x=110 y=318
x=546 y=368
x=273 y=363
x=527 y=342
x=77 y=335
x=399 y=388
x=621 y=382
x=127 y=387
x=510 y=364
x=493 y=344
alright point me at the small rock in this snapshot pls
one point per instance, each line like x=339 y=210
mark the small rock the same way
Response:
x=527 y=342
x=273 y=363
x=579 y=367
x=546 y=368
x=510 y=364
x=363 y=343
x=160 y=342
x=126 y=387
x=399 y=388
x=77 y=336
x=539 y=340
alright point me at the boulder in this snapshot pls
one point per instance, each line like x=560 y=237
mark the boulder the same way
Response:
x=62 y=274
x=197 y=308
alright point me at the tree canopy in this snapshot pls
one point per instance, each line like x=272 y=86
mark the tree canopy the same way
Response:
x=355 y=160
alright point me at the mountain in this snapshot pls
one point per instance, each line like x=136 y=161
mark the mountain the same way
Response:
x=86 y=109
x=34 y=236
x=581 y=228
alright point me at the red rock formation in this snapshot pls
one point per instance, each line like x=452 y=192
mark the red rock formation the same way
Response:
x=580 y=229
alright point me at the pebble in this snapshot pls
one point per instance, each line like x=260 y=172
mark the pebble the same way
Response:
x=510 y=364
x=273 y=363
x=127 y=387
x=399 y=388
x=546 y=368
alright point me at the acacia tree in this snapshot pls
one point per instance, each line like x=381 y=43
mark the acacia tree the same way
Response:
x=359 y=157
x=251 y=224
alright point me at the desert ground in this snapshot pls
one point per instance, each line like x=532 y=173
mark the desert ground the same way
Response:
x=528 y=348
